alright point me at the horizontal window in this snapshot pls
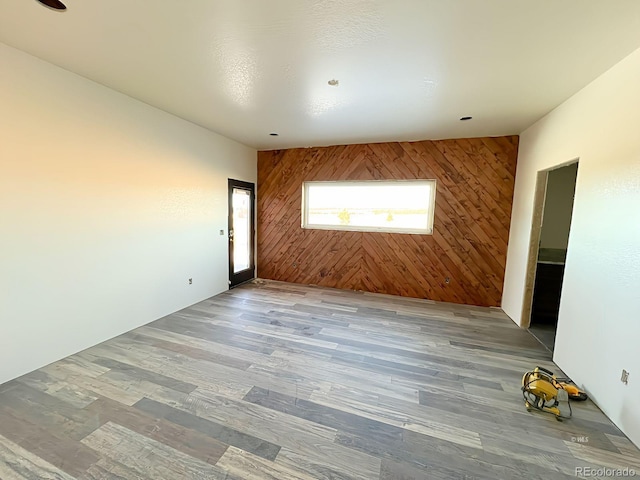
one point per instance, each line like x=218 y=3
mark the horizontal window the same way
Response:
x=401 y=206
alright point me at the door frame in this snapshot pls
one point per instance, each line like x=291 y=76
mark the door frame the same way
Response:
x=243 y=276
x=539 y=198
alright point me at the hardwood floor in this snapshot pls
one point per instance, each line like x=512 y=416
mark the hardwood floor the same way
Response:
x=281 y=381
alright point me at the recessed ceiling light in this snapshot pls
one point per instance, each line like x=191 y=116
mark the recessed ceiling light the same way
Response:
x=55 y=4
x=464 y=119
x=334 y=82
x=273 y=134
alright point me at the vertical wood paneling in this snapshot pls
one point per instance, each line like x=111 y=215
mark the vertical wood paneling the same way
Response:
x=475 y=181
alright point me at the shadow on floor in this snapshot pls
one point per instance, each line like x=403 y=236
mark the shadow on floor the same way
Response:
x=545 y=333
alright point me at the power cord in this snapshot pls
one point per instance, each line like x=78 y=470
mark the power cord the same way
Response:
x=534 y=404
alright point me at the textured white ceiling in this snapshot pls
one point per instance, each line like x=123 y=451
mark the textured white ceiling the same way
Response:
x=408 y=69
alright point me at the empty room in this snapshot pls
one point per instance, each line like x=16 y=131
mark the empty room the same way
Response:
x=319 y=239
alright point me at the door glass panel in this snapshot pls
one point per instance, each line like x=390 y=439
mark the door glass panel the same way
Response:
x=241 y=229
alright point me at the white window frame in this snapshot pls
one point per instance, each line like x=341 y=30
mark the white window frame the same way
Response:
x=351 y=228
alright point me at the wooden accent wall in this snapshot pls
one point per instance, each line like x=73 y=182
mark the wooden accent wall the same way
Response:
x=475 y=181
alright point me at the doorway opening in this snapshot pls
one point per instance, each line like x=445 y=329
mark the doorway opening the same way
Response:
x=242 y=196
x=553 y=209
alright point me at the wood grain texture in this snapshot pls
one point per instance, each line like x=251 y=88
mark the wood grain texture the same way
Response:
x=282 y=381
x=475 y=182
x=18 y=463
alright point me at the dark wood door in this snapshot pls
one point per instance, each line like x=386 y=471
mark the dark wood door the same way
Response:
x=242 y=199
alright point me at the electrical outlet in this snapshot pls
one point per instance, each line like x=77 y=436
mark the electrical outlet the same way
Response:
x=190 y=281
x=221 y=232
x=625 y=377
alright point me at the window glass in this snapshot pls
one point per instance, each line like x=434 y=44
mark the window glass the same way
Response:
x=378 y=206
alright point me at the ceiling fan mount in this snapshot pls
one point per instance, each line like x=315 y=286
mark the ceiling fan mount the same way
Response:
x=54 y=4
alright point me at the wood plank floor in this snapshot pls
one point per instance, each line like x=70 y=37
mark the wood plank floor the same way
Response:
x=280 y=381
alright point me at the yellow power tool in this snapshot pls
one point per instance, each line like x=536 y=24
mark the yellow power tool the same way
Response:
x=543 y=391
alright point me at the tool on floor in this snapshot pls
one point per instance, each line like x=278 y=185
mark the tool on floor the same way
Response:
x=543 y=391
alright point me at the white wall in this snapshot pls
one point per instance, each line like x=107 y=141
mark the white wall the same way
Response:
x=558 y=206
x=107 y=207
x=599 y=322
